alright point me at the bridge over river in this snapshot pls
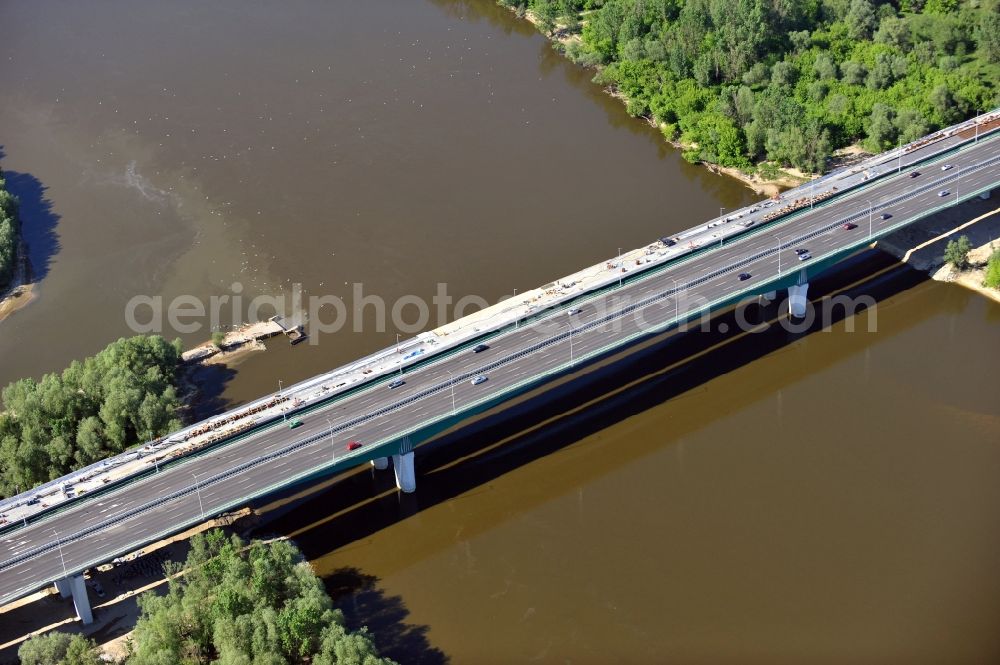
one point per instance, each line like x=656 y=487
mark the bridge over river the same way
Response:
x=393 y=401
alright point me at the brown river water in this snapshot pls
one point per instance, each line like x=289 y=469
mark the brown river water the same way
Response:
x=832 y=500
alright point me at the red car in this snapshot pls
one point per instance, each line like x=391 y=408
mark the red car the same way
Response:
x=353 y=445
x=848 y=226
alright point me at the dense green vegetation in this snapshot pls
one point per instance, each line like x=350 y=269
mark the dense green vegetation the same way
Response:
x=238 y=604
x=95 y=408
x=957 y=252
x=992 y=277
x=9 y=229
x=234 y=605
x=739 y=82
x=58 y=649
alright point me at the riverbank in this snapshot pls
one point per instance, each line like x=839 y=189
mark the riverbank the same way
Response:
x=973 y=277
x=772 y=184
x=21 y=290
x=922 y=244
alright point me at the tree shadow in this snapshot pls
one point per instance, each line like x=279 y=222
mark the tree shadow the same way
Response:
x=206 y=385
x=362 y=503
x=38 y=221
x=363 y=603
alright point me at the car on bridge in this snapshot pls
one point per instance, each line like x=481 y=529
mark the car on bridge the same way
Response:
x=397 y=383
x=293 y=423
x=801 y=250
x=885 y=215
x=944 y=192
x=574 y=310
x=915 y=174
x=804 y=256
x=946 y=167
x=479 y=348
x=353 y=445
x=479 y=379
x=849 y=225
x=744 y=276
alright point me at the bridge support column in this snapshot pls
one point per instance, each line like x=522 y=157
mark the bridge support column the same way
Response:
x=797 y=300
x=63 y=587
x=406 y=477
x=985 y=195
x=769 y=296
x=80 y=600
x=381 y=463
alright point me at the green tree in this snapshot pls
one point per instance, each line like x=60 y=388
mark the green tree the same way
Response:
x=988 y=34
x=9 y=233
x=957 y=252
x=57 y=648
x=122 y=396
x=239 y=603
x=992 y=276
x=860 y=19
x=546 y=12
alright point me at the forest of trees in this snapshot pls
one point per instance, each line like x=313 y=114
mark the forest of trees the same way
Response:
x=758 y=83
x=124 y=395
x=235 y=604
x=9 y=230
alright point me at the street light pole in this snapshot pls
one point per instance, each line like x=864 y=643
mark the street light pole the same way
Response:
x=571 y=360
x=61 y=557
x=516 y=317
x=452 y=377
x=620 y=267
x=333 y=446
x=397 y=353
x=197 y=488
x=899 y=148
x=156 y=462
x=778 y=238
x=870 y=212
x=284 y=415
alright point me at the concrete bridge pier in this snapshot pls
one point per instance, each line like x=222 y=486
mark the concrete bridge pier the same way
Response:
x=986 y=195
x=381 y=463
x=406 y=477
x=63 y=587
x=402 y=464
x=77 y=587
x=80 y=600
x=768 y=296
x=797 y=300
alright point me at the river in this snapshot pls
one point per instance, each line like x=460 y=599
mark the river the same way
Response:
x=834 y=500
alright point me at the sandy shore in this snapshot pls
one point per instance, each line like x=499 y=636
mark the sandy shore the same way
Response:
x=17 y=298
x=21 y=291
x=922 y=244
x=972 y=277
